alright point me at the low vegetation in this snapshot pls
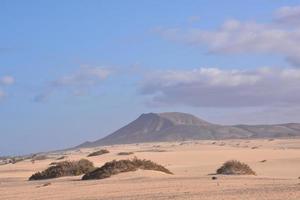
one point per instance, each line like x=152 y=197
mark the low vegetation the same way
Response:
x=65 y=168
x=44 y=185
x=14 y=160
x=153 y=150
x=124 y=153
x=40 y=157
x=98 y=153
x=61 y=158
x=115 y=167
x=234 y=167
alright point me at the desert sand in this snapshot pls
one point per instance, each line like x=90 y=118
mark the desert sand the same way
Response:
x=276 y=162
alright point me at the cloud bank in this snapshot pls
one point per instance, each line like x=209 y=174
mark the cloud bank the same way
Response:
x=213 y=87
x=77 y=82
x=280 y=37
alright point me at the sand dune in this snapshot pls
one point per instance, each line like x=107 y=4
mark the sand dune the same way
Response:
x=192 y=162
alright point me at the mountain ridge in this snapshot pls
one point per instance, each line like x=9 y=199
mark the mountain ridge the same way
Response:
x=174 y=126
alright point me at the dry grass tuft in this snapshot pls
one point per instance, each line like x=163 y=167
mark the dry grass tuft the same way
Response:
x=98 y=153
x=124 y=153
x=39 y=157
x=64 y=168
x=234 y=167
x=61 y=158
x=116 y=167
x=153 y=150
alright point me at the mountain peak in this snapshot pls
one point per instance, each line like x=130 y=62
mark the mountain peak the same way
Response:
x=180 y=118
x=174 y=126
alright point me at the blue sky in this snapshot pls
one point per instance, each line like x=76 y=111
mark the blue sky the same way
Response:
x=72 y=71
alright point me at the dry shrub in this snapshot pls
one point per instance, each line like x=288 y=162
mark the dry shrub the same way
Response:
x=124 y=153
x=116 y=167
x=153 y=150
x=98 y=153
x=65 y=168
x=54 y=163
x=40 y=157
x=234 y=167
x=44 y=185
x=61 y=158
x=15 y=160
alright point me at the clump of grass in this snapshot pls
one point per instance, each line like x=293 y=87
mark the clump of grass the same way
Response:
x=15 y=160
x=98 y=153
x=44 y=185
x=116 y=167
x=234 y=167
x=5 y=161
x=124 y=153
x=153 y=150
x=40 y=157
x=61 y=158
x=65 y=168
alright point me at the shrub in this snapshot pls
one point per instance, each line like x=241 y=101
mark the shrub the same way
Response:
x=15 y=160
x=98 y=153
x=64 y=168
x=116 y=167
x=234 y=167
x=39 y=157
x=61 y=158
x=124 y=153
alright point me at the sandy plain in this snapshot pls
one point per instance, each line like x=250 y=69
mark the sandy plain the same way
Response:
x=276 y=162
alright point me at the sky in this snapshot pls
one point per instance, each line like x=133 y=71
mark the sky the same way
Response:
x=72 y=71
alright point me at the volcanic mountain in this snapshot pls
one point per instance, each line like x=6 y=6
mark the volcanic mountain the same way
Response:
x=174 y=126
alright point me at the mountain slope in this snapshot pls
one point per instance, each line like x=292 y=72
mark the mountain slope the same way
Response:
x=174 y=126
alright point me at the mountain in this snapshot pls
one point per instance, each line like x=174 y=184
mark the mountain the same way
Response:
x=173 y=126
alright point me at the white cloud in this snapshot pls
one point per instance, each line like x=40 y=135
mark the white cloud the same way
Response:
x=7 y=80
x=77 y=82
x=288 y=15
x=234 y=36
x=84 y=76
x=212 y=87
